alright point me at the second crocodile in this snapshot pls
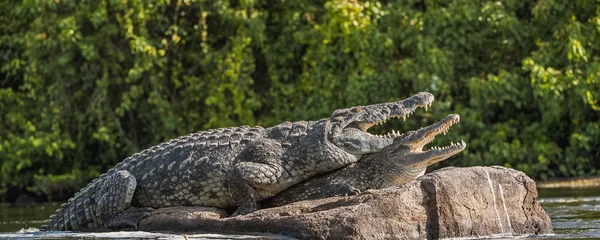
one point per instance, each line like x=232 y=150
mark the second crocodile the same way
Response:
x=394 y=165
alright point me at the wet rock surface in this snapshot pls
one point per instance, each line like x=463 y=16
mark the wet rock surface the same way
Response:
x=450 y=202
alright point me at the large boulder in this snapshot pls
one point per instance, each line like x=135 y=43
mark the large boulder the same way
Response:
x=448 y=203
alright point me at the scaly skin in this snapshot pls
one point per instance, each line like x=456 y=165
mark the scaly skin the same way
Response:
x=397 y=164
x=228 y=167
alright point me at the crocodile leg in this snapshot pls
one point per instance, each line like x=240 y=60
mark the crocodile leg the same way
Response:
x=114 y=205
x=243 y=194
x=346 y=189
x=259 y=167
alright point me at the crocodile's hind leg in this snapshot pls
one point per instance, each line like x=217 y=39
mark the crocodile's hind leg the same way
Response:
x=259 y=166
x=114 y=205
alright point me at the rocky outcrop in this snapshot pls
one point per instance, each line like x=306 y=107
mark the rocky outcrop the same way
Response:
x=451 y=202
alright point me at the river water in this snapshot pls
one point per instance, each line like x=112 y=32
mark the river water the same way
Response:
x=575 y=214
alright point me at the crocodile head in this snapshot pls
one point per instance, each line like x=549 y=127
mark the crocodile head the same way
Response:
x=349 y=126
x=407 y=149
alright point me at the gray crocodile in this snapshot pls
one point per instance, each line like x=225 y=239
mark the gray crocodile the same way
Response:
x=228 y=167
x=394 y=165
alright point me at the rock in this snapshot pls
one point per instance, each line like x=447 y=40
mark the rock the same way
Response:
x=448 y=203
x=180 y=218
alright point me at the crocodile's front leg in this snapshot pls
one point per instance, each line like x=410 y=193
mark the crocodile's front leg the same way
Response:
x=259 y=166
x=114 y=206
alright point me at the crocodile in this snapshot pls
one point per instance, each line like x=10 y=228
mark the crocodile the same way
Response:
x=228 y=168
x=394 y=165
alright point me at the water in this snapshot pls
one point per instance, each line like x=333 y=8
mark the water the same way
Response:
x=575 y=214
x=21 y=221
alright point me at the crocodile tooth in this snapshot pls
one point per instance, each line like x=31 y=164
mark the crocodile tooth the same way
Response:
x=425 y=108
x=404 y=117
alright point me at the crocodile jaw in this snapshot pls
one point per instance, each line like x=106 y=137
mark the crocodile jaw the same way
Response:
x=411 y=144
x=350 y=125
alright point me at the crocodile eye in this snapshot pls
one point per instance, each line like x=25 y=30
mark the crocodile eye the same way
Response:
x=356 y=110
x=340 y=113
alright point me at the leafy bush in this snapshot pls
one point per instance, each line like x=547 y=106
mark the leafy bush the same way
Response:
x=84 y=84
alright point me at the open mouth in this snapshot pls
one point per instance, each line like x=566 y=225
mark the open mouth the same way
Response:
x=364 y=117
x=440 y=127
x=402 y=114
x=365 y=126
x=350 y=125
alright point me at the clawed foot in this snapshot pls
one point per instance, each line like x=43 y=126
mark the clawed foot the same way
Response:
x=129 y=218
x=245 y=209
x=348 y=190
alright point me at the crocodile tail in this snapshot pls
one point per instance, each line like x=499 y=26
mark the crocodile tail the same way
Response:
x=57 y=222
x=77 y=214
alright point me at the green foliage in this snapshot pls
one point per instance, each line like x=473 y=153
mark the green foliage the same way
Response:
x=84 y=84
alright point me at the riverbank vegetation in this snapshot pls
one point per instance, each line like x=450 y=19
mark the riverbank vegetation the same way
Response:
x=84 y=84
